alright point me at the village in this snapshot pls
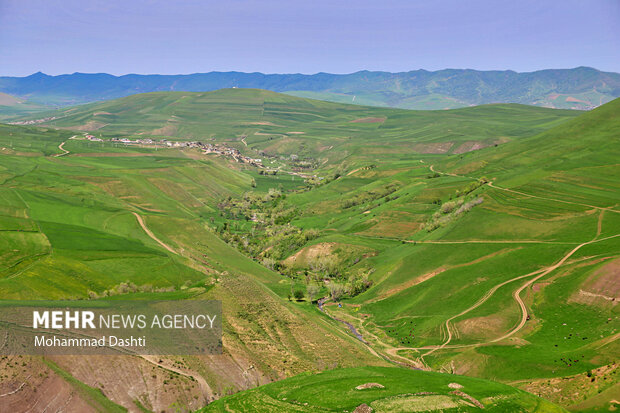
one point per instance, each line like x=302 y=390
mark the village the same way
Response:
x=207 y=148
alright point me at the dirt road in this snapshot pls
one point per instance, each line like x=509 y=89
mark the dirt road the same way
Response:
x=64 y=151
x=204 y=386
x=150 y=234
x=517 y=294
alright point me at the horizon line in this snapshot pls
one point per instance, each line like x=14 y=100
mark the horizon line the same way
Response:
x=306 y=74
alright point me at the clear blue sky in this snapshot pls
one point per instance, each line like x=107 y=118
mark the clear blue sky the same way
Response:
x=290 y=36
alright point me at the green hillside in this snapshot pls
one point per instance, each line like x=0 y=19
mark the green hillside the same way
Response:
x=12 y=107
x=480 y=241
x=447 y=254
x=382 y=390
x=134 y=224
x=280 y=125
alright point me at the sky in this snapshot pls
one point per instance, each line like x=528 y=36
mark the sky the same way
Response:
x=290 y=36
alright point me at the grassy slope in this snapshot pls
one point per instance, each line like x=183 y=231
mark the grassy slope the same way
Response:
x=12 y=107
x=172 y=191
x=335 y=391
x=419 y=286
x=270 y=121
x=67 y=230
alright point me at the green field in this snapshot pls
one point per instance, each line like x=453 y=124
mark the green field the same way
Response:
x=480 y=241
x=399 y=390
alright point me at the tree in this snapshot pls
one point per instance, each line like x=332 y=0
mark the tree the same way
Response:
x=299 y=295
x=312 y=291
x=336 y=291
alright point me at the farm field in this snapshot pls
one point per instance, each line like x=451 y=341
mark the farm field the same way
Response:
x=481 y=242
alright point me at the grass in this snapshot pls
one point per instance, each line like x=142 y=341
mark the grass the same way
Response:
x=67 y=228
x=403 y=390
x=271 y=122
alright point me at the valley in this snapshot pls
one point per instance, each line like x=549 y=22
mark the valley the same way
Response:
x=479 y=245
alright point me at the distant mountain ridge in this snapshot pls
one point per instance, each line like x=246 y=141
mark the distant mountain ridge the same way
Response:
x=578 y=88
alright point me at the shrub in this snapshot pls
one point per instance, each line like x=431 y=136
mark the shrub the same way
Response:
x=312 y=291
x=299 y=295
x=336 y=291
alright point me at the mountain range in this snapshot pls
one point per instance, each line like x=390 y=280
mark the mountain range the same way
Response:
x=578 y=88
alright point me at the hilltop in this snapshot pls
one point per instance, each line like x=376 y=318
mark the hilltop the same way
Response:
x=262 y=122
x=12 y=107
x=578 y=88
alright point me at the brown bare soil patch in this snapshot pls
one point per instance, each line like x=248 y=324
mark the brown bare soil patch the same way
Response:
x=572 y=99
x=363 y=408
x=539 y=286
x=166 y=130
x=602 y=287
x=101 y=113
x=469 y=146
x=263 y=123
x=436 y=147
x=481 y=326
x=296 y=133
x=468 y=397
x=90 y=125
x=311 y=252
x=368 y=120
x=35 y=387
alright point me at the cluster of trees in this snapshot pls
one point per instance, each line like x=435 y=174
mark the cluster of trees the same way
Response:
x=471 y=187
x=449 y=211
x=267 y=172
x=372 y=195
x=129 y=287
x=260 y=226
x=337 y=288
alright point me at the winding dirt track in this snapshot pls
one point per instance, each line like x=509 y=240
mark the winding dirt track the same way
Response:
x=517 y=294
x=150 y=234
x=64 y=151
x=204 y=386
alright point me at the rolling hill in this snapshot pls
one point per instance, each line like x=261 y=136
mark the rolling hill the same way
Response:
x=261 y=122
x=478 y=241
x=499 y=263
x=12 y=107
x=382 y=390
x=578 y=88
x=133 y=224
